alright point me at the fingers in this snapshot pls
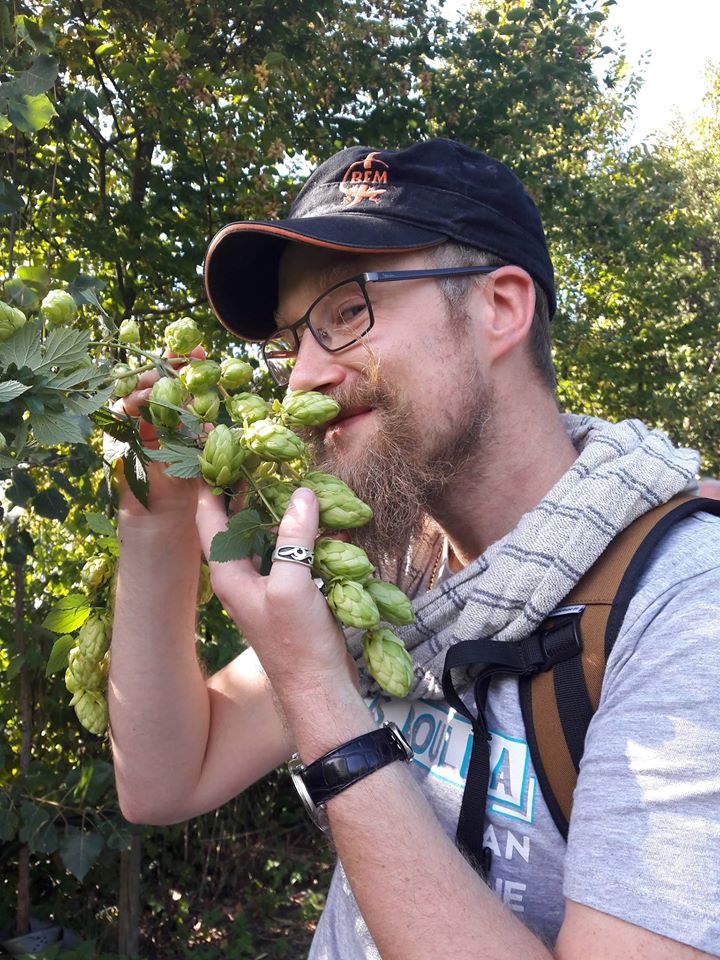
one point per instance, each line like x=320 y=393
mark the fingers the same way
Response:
x=298 y=528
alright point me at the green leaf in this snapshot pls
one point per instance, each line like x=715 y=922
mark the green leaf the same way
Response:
x=245 y=537
x=183 y=461
x=23 y=348
x=10 y=199
x=58 y=659
x=51 y=503
x=66 y=347
x=9 y=823
x=41 y=39
x=30 y=114
x=136 y=476
x=33 y=817
x=85 y=289
x=87 y=405
x=11 y=389
x=53 y=429
x=100 y=524
x=22 y=295
x=45 y=840
x=79 y=850
x=22 y=488
x=18 y=549
x=14 y=667
x=68 y=614
x=39 y=78
x=4 y=124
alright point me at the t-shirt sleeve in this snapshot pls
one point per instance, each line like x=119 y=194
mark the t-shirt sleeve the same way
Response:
x=644 y=839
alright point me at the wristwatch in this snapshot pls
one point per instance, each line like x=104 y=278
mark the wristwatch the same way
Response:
x=334 y=772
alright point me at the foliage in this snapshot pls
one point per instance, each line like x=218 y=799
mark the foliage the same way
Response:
x=128 y=134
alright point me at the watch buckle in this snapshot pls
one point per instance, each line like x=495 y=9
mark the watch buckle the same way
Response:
x=400 y=739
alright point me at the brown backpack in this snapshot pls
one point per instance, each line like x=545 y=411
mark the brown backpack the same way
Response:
x=560 y=670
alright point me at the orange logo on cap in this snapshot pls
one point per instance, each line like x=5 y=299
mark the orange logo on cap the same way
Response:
x=361 y=180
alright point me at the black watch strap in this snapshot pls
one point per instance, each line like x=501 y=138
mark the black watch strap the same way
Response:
x=346 y=764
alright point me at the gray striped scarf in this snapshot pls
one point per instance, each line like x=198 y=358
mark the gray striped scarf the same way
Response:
x=622 y=471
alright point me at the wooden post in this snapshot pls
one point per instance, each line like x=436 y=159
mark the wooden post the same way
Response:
x=129 y=899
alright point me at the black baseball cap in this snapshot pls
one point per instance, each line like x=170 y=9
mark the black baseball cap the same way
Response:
x=365 y=200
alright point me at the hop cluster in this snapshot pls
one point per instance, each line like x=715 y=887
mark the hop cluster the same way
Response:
x=246 y=440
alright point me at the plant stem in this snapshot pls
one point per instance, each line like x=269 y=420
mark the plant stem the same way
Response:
x=260 y=494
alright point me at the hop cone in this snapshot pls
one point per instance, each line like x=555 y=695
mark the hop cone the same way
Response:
x=182 y=336
x=277 y=493
x=340 y=509
x=246 y=406
x=11 y=319
x=93 y=639
x=92 y=712
x=387 y=661
x=308 y=408
x=222 y=458
x=352 y=605
x=272 y=441
x=235 y=374
x=58 y=307
x=125 y=380
x=86 y=674
x=392 y=603
x=206 y=405
x=97 y=571
x=333 y=558
x=166 y=390
x=199 y=375
x=129 y=331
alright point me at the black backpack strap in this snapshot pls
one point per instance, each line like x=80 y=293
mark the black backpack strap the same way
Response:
x=559 y=640
x=557 y=707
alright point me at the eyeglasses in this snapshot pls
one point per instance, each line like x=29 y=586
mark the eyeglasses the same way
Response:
x=341 y=316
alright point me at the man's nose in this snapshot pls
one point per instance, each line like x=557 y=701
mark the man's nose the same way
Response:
x=315 y=368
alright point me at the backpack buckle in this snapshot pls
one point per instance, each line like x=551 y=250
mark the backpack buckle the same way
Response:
x=560 y=636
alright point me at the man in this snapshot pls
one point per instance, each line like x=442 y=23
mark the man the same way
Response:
x=492 y=505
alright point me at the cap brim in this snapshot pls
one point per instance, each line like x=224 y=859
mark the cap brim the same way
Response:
x=241 y=264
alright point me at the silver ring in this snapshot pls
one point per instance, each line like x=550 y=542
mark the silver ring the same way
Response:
x=294 y=553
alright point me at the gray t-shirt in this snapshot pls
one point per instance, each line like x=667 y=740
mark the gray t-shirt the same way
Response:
x=644 y=840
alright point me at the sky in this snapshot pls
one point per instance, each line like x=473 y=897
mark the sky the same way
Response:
x=680 y=38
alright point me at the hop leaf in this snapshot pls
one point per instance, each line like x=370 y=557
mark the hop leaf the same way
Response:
x=270 y=440
x=205 y=590
x=352 y=605
x=392 y=603
x=59 y=307
x=308 y=408
x=182 y=336
x=340 y=509
x=333 y=558
x=387 y=661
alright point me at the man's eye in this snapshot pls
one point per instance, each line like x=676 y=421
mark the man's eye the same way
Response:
x=348 y=313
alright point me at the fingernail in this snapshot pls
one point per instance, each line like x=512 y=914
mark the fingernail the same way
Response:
x=303 y=495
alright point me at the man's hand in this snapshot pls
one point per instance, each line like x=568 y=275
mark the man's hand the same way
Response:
x=283 y=616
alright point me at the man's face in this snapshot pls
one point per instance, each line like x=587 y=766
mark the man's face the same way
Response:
x=414 y=395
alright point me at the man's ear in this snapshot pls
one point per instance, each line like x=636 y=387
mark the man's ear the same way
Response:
x=509 y=309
